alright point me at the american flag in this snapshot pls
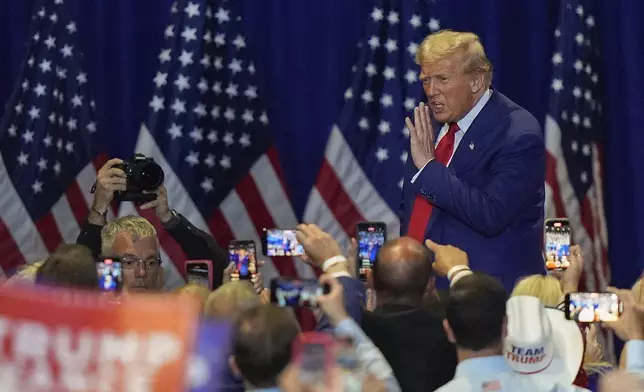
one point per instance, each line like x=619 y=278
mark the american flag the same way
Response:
x=49 y=143
x=208 y=130
x=362 y=174
x=573 y=140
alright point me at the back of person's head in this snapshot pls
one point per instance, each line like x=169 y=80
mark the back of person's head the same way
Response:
x=475 y=313
x=136 y=226
x=545 y=287
x=196 y=291
x=264 y=337
x=231 y=299
x=402 y=271
x=70 y=266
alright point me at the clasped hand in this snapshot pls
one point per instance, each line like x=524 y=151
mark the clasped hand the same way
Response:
x=421 y=135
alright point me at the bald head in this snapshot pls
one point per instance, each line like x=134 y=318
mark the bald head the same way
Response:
x=402 y=269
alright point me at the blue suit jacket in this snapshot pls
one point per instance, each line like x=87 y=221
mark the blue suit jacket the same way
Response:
x=489 y=201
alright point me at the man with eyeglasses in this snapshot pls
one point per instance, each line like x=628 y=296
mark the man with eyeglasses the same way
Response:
x=134 y=239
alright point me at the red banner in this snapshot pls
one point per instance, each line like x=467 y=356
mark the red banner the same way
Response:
x=67 y=341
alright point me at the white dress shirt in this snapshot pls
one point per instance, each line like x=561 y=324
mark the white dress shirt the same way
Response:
x=463 y=125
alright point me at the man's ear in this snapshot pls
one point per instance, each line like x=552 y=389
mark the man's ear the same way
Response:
x=233 y=366
x=431 y=285
x=449 y=332
x=504 y=327
x=477 y=82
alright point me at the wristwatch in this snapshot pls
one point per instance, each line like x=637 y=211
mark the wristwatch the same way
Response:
x=173 y=222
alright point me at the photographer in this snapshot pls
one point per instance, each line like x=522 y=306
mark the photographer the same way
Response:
x=141 y=245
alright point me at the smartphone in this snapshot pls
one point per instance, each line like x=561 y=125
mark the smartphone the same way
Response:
x=199 y=272
x=296 y=293
x=110 y=274
x=281 y=242
x=557 y=243
x=313 y=352
x=370 y=236
x=242 y=254
x=593 y=307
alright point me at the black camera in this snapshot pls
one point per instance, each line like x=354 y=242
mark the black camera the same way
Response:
x=143 y=175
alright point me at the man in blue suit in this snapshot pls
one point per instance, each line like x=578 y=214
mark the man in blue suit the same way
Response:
x=476 y=175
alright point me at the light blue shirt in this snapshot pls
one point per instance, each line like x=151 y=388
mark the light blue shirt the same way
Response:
x=463 y=125
x=494 y=374
x=635 y=357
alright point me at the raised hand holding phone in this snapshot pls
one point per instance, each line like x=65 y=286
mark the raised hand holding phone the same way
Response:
x=332 y=303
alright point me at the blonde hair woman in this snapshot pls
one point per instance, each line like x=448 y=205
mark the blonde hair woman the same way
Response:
x=26 y=274
x=548 y=290
x=198 y=292
x=231 y=299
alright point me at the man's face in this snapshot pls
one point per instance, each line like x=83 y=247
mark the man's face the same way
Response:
x=450 y=91
x=140 y=258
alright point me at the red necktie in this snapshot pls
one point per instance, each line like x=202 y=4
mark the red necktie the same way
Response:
x=422 y=210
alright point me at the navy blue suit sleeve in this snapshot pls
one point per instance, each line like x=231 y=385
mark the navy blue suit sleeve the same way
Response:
x=354 y=299
x=516 y=174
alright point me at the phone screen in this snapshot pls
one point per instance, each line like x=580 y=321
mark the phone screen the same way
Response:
x=242 y=254
x=314 y=355
x=593 y=307
x=197 y=273
x=282 y=242
x=110 y=274
x=296 y=293
x=371 y=236
x=557 y=239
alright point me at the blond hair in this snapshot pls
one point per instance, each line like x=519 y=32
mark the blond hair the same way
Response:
x=136 y=226
x=198 y=292
x=545 y=287
x=230 y=299
x=445 y=43
x=26 y=274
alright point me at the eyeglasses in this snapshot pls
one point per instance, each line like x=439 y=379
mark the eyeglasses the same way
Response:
x=133 y=262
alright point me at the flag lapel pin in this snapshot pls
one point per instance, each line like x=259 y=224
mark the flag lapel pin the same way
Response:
x=472 y=146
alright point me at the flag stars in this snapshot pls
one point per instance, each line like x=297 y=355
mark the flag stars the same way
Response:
x=215 y=112
x=579 y=66
x=164 y=56
x=367 y=96
x=382 y=154
x=37 y=186
x=401 y=183
x=374 y=42
x=69 y=147
x=47 y=141
x=434 y=24
x=66 y=51
x=175 y=131
x=34 y=113
x=57 y=168
x=23 y=159
x=200 y=110
x=50 y=42
x=91 y=127
x=169 y=31
x=575 y=119
x=391 y=45
x=229 y=114
x=41 y=12
x=594 y=78
x=161 y=79
x=371 y=69
x=178 y=106
x=196 y=135
x=218 y=63
x=40 y=90
x=377 y=14
x=411 y=76
x=42 y=164
x=590 y=21
x=557 y=58
x=182 y=82
x=263 y=118
x=412 y=48
x=157 y=103
x=579 y=38
x=251 y=92
x=192 y=10
x=393 y=18
x=189 y=34
x=31 y=61
x=224 y=162
x=586 y=123
x=77 y=100
x=239 y=42
x=185 y=58
x=384 y=127
x=18 y=108
x=193 y=158
x=404 y=156
x=28 y=136
x=348 y=94
x=574 y=146
x=202 y=85
x=386 y=100
x=586 y=150
x=207 y=185
x=247 y=117
x=557 y=85
x=71 y=27
x=415 y=21
x=584 y=177
x=389 y=73
x=409 y=104
x=45 y=66
x=231 y=90
x=25 y=85
x=580 y=11
x=576 y=92
x=235 y=66
x=588 y=96
x=220 y=39
x=564 y=115
x=205 y=61
x=72 y=124
x=363 y=124
x=13 y=131
x=210 y=161
x=244 y=140
x=53 y=17
x=81 y=78
x=251 y=69
x=222 y=15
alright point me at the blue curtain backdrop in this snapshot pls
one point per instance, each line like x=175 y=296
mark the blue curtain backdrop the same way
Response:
x=304 y=51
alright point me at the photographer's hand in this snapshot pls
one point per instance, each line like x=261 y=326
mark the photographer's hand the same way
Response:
x=160 y=204
x=109 y=179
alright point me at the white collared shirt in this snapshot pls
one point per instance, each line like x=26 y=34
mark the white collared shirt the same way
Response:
x=463 y=125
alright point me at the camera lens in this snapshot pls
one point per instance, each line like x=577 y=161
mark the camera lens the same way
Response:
x=148 y=176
